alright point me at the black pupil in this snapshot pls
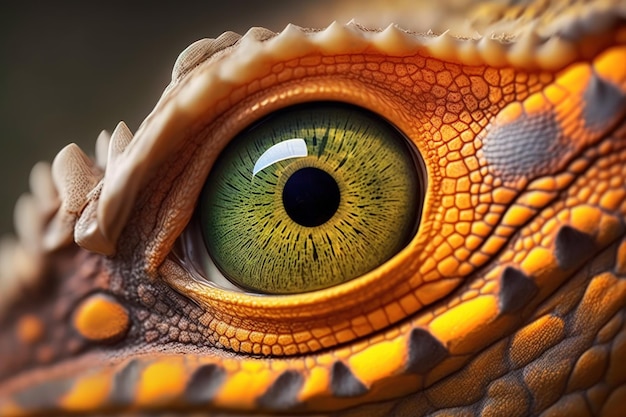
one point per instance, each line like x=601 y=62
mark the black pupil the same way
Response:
x=311 y=197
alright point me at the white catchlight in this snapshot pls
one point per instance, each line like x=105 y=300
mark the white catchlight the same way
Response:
x=287 y=149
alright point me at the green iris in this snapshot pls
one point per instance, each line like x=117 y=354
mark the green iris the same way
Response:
x=310 y=197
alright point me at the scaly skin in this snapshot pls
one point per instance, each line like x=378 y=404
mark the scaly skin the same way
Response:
x=510 y=300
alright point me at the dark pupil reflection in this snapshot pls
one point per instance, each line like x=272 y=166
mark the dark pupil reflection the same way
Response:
x=311 y=197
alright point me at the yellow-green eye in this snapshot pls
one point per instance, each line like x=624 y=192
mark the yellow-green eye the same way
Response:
x=310 y=197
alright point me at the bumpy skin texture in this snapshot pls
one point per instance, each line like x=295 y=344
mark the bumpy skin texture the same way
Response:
x=510 y=300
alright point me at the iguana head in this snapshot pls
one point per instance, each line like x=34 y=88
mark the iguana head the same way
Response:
x=345 y=220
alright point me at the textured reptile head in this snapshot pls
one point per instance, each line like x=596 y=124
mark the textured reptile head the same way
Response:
x=351 y=220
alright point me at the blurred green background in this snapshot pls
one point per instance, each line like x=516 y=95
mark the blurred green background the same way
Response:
x=69 y=70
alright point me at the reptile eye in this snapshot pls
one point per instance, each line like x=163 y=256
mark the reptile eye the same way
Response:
x=310 y=197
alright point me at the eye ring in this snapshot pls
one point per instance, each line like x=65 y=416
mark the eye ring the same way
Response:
x=361 y=306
